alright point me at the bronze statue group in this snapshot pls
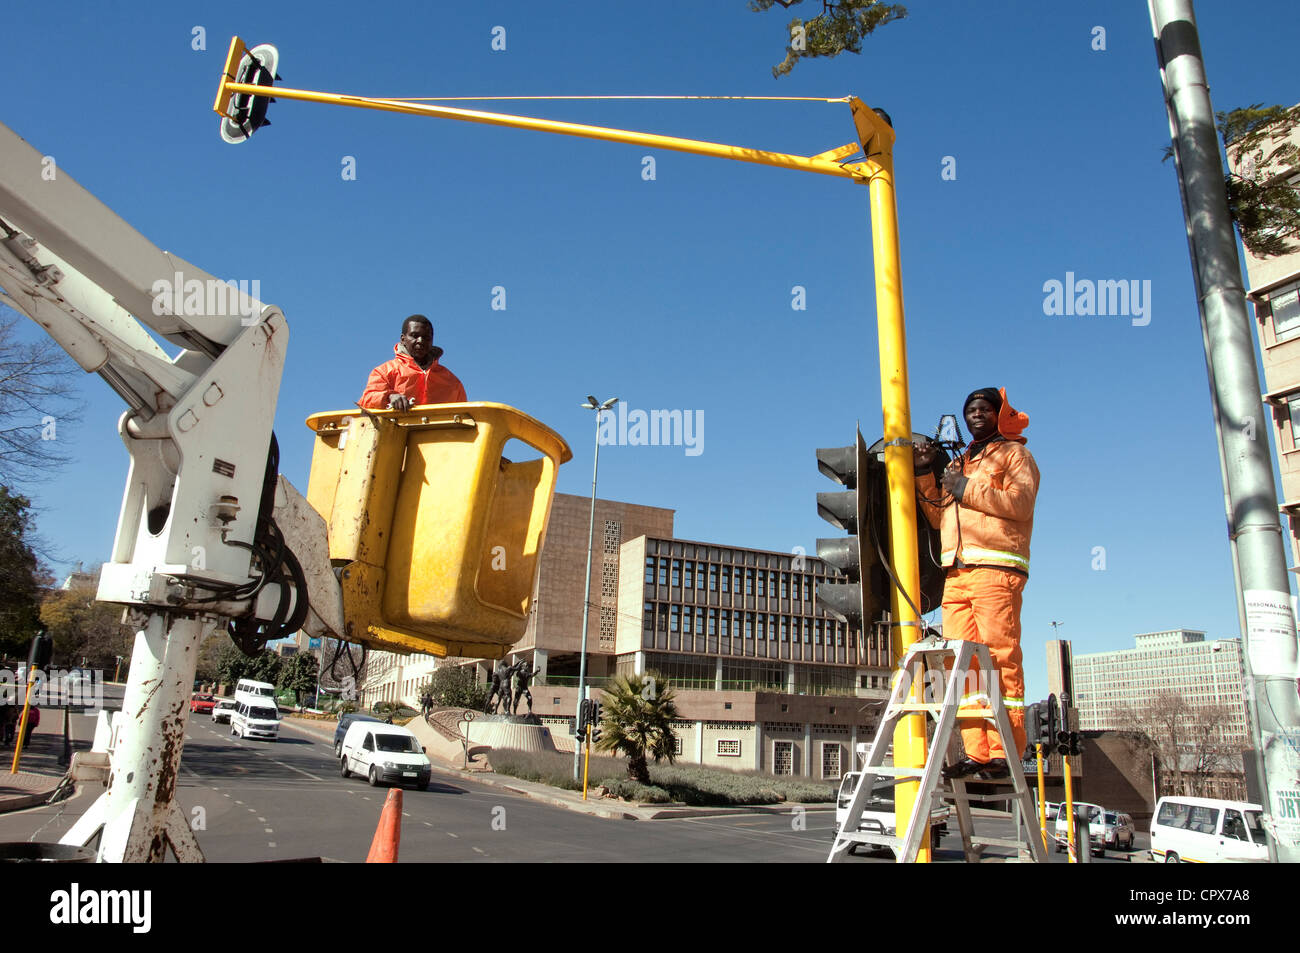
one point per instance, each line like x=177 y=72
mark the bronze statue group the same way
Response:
x=504 y=678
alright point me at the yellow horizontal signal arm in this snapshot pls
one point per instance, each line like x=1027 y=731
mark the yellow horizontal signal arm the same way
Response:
x=224 y=92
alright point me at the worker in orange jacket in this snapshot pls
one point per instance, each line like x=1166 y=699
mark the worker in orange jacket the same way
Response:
x=984 y=509
x=414 y=375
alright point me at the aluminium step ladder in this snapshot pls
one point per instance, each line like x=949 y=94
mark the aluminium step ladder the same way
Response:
x=927 y=656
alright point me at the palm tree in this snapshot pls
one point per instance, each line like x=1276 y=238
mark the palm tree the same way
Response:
x=637 y=716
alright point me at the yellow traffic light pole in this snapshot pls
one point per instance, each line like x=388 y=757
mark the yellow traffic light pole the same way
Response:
x=875 y=140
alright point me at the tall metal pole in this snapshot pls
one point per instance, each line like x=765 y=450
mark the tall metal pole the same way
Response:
x=586 y=598
x=1254 y=529
x=877 y=136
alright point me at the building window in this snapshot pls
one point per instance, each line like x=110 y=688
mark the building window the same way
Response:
x=677 y=746
x=819 y=631
x=713 y=622
x=699 y=576
x=735 y=581
x=674 y=613
x=650 y=569
x=785 y=628
x=713 y=579
x=686 y=621
x=663 y=572
x=785 y=585
x=690 y=575
x=649 y=625
x=677 y=573
x=726 y=579
x=830 y=759
x=762 y=583
x=1284 y=304
x=699 y=620
x=762 y=626
x=749 y=625
x=726 y=623
x=783 y=757
x=728 y=747
x=749 y=582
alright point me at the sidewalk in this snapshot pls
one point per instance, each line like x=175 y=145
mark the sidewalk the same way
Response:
x=39 y=770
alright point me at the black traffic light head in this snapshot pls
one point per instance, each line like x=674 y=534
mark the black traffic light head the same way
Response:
x=242 y=114
x=1034 y=727
x=846 y=510
x=38 y=656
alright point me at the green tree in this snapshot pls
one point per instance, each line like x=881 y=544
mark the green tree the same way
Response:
x=454 y=686
x=20 y=574
x=298 y=674
x=1263 y=201
x=839 y=28
x=637 y=722
x=84 y=628
x=232 y=664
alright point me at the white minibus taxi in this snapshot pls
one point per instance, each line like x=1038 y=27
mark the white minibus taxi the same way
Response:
x=1207 y=831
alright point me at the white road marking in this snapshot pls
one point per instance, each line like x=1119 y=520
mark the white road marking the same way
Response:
x=478 y=850
x=299 y=770
x=269 y=830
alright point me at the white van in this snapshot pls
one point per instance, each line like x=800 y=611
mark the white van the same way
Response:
x=248 y=690
x=384 y=753
x=1096 y=826
x=255 y=719
x=1204 y=830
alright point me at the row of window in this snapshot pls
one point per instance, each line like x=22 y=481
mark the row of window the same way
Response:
x=697 y=620
x=737 y=579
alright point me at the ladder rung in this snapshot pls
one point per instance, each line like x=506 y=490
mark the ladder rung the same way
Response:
x=894 y=772
x=938 y=706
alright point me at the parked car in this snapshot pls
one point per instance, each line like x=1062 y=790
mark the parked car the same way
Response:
x=1207 y=830
x=222 y=709
x=384 y=754
x=346 y=722
x=1118 y=831
x=202 y=703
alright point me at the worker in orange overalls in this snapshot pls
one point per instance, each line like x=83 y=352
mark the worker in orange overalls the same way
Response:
x=984 y=509
x=414 y=375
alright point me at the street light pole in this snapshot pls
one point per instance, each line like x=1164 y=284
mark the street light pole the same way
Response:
x=599 y=408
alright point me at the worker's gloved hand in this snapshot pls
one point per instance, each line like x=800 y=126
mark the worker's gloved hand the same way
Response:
x=953 y=481
x=400 y=402
x=923 y=453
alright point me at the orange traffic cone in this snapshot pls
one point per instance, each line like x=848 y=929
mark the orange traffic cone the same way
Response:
x=388 y=835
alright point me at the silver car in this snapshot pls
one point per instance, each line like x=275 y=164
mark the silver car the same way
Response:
x=1117 y=831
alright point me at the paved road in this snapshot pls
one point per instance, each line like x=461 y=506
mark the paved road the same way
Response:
x=256 y=801
x=260 y=801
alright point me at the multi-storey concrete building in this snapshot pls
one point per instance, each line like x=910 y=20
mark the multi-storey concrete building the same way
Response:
x=1275 y=291
x=764 y=678
x=1208 y=674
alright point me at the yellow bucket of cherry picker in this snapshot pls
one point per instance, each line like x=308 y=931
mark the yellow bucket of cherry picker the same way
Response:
x=436 y=533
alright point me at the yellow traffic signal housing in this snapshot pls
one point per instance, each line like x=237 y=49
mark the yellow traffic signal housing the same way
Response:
x=437 y=534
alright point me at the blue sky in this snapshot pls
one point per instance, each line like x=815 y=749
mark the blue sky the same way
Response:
x=676 y=293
